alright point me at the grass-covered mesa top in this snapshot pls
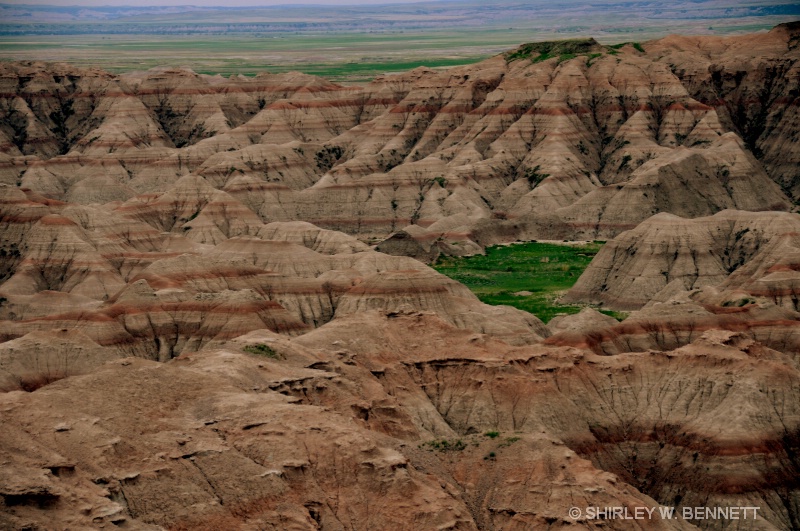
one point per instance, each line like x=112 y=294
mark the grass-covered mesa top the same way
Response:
x=529 y=276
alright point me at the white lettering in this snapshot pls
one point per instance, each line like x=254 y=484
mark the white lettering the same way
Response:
x=666 y=512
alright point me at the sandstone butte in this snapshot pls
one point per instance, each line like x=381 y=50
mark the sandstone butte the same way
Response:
x=216 y=313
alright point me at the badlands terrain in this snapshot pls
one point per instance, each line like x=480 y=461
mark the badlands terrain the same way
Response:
x=216 y=308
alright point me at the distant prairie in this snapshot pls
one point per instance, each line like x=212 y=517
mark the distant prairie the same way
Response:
x=349 y=43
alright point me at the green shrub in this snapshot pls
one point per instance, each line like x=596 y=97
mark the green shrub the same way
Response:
x=565 y=57
x=534 y=177
x=591 y=58
x=443 y=445
x=508 y=442
x=260 y=349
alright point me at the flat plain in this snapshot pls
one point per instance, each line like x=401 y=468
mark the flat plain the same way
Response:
x=349 y=43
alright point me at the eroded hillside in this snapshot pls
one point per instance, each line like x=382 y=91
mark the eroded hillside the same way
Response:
x=197 y=332
x=563 y=139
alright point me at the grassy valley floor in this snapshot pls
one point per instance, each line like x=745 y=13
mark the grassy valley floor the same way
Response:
x=529 y=276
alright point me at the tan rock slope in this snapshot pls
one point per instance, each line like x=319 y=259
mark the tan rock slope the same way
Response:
x=758 y=253
x=370 y=422
x=155 y=294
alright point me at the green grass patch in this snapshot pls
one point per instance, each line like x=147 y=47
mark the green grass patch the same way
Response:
x=541 y=51
x=636 y=46
x=444 y=445
x=260 y=349
x=591 y=57
x=528 y=276
x=508 y=442
x=566 y=57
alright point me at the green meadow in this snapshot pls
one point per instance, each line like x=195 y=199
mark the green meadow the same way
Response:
x=529 y=276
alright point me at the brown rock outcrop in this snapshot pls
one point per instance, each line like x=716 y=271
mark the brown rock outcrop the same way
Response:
x=159 y=304
x=668 y=252
x=446 y=426
x=40 y=358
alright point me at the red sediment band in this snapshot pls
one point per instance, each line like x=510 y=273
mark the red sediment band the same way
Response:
x=551 y=111
x=778 y=291
x=600 y=225
x=41 y=141
x=171 y=280
x=21 y=219
x=318 y=104
x=138 y=255
x=24 y=202
x=51 y=220
x=713 y=482
x=784 y=267
x=207 y=90
x=700 y=443
x=206 y=307
x=384 y=102
x=130 y=142
x=329 y=222
x=42 y=200
x=597 y=337
x=400 y=290
x=254 y=187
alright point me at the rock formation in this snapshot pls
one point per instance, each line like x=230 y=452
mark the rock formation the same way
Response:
x=312 y=429
x=755 y=252
x=579 y=138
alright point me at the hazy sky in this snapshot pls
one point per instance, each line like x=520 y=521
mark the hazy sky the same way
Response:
x=214 y=3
